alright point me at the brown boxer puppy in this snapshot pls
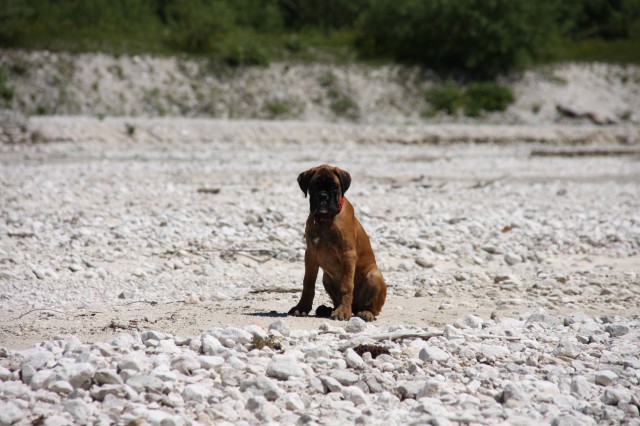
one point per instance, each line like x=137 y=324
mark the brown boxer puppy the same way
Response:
x=337 y=243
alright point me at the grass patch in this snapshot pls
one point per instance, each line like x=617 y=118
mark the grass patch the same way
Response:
x=6 y=91
x=474 y=99
x=261 y=343
x=623 y=51
x=487 y=96
x=448 y=98
x=282 y=108
x=340 y=103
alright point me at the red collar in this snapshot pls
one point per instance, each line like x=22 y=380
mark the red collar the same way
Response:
x=340 y=204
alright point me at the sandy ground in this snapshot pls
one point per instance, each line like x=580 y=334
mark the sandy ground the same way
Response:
x=190 y=224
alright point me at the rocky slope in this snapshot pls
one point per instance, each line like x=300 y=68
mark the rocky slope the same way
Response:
x=47 y=83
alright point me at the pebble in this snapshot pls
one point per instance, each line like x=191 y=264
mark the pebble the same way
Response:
x=283 y=366
x=355 y=325
x=605 y=377
x=162 y=243
x=433 y=353
x=514 y=395
x=281 y=327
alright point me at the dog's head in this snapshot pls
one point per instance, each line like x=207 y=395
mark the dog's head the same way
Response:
x=326 y=185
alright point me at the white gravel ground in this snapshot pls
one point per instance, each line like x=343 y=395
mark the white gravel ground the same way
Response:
x=522 y=261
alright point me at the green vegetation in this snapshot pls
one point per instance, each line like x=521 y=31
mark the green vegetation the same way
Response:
x=269 y=342
x=448 y=98
x=487 y=96
x=474 y=38
x=6 y=91
x=474 y=99
x=340 y=103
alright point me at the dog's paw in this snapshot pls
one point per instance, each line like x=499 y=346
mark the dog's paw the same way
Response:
x=323 y=311
x=341 y=314
x=367 y=316
x=297 y=311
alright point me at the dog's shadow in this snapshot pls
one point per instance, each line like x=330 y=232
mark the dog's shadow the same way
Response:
x=321 y=312
x=270 y=314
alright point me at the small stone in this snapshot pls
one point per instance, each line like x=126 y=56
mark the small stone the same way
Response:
x=605 y=377
x=353 y=359
x=512 y=258
x=425 y=261
x=145 y=383
x=331 y=384
x=40 y=379
x=580 y=387
x=541 y=317
x=433 y=353
x=568 y=346
x=493 y=352
x=256 y=331
x=196 y=393
x=185 y=364
x=139 y=272
x=409 y=389
x=616 y=330
x=135 y=361
x=386 y=397
x=269 y=388
x=79 y=410
x=284 y=366
x=5 y=374
x=210 y=345
x=576 y=318
x=168 y=346
x=281 y=327
x=344 y=377
x=473 y=321
x=514 y=395
x=210 y=361
x=355 y=325
x=37 y=358
x=117 y=391
x=612 y=396
x=237 y=335
x=567 y=420
x=293 y=402
x=430 y=389
x=10 y=413
x=79 y=374
x=355 y=395
x=61 y=387
x=630 y=410
x=263 y=410
x=155 y=335
x=491 y=249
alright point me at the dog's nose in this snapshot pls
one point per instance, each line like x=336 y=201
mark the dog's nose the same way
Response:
x=323 y=196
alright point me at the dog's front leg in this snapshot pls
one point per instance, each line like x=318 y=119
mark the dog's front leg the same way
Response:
x=308 y=286
x=344 y=309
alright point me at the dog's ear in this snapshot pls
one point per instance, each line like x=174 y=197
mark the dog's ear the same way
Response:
x=345 y=179
x=303 y=180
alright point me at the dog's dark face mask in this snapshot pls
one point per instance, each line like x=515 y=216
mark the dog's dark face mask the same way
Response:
x=324 y=197
x=326 y=187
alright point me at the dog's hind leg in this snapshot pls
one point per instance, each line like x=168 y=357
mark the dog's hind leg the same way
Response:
x=370 y=296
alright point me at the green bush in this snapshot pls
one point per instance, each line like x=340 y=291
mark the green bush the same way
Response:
x=194 y=26
x=479 y=37
x=487 y=96
x=605 y=19
x=474 y=99
x=244 y=51
x=6 y=91
x=448 y=98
